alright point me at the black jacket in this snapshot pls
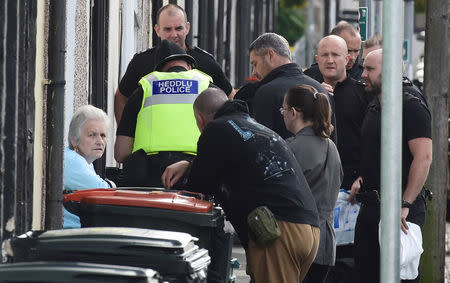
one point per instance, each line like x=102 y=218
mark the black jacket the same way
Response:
x=256 y=167
x=144 y=63
x=355 y=72
x=410 y=88
x=270 y=94
x=247 y=94
x=350 y=105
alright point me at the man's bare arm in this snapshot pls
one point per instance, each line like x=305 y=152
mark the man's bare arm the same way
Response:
x=123 y=147
x=421 y=150
x=232 y=94
x=119 y=103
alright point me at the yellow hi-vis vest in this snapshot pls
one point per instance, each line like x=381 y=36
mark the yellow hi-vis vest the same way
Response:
x=166 y=119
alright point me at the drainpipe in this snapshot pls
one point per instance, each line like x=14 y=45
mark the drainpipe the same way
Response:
x=55 y=115
x=391 y=140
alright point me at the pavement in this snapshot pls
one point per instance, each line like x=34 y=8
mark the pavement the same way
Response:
x=239 y=253
x=242 y=277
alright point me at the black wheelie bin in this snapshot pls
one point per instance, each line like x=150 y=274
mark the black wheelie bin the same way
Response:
x=156 y=208
x=74 y=272
x=173 y=254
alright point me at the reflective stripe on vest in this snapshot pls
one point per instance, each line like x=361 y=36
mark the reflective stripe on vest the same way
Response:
x=166 y=119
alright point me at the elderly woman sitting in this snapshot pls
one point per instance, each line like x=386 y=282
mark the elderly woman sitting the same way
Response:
x=87 y=141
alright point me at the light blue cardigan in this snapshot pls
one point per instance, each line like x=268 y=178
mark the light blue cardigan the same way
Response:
x=78 y=175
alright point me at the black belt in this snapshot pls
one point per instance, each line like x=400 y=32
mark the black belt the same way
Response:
x=171 y=155
x=368 y=197
x=373 y=197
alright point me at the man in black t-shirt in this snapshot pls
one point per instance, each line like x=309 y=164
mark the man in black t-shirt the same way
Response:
x=416 y=160
x=172 y=25
x=145 y=142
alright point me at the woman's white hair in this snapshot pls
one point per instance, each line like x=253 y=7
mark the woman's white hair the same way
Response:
x=80 y=117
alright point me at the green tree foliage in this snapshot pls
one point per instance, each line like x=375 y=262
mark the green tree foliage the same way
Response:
x=419 y=6
x=292 y=3
x=290 y=22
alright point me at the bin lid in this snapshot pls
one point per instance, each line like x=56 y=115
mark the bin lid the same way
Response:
x=49 y=271
x=106 y=240
x=79 y=195
x=157 y=199
x=146 y=189
x=138 y=236
x=164 y=251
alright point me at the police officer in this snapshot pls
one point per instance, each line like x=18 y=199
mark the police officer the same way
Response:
x=350 y=107
x=158 y=127
x=409 y=87
x=353 y=39
x=416 y=160
x=350 y=102
x=173 y=26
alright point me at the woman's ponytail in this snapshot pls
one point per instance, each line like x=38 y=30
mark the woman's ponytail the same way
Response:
x=314 y=106
x=322 y=116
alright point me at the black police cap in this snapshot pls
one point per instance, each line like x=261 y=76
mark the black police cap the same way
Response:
x=168 y=51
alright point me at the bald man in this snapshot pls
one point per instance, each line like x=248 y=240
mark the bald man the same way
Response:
x=350 y=102
x=416 y=160
x=372 y=43
x=350 y=106
x=353 y=40
x=172 y=25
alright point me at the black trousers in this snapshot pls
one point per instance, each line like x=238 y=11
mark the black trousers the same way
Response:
x=366 y=246
x=142 y=170
x=317 y=273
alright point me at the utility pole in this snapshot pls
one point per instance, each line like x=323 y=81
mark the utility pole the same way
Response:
x=330 y=16
x=436 y=90
x=310 y=32
x=377 y=16
x=408 y=42
x=391 y=142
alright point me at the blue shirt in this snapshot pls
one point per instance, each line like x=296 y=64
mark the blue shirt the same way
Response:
x=78 y=175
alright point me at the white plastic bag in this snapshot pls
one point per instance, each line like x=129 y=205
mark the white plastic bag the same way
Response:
x=345 y=215
x=410 y=251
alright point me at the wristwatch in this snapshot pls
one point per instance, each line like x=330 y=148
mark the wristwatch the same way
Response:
x=406 y=204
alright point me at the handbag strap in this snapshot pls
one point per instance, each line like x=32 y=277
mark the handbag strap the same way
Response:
x=324 y=164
